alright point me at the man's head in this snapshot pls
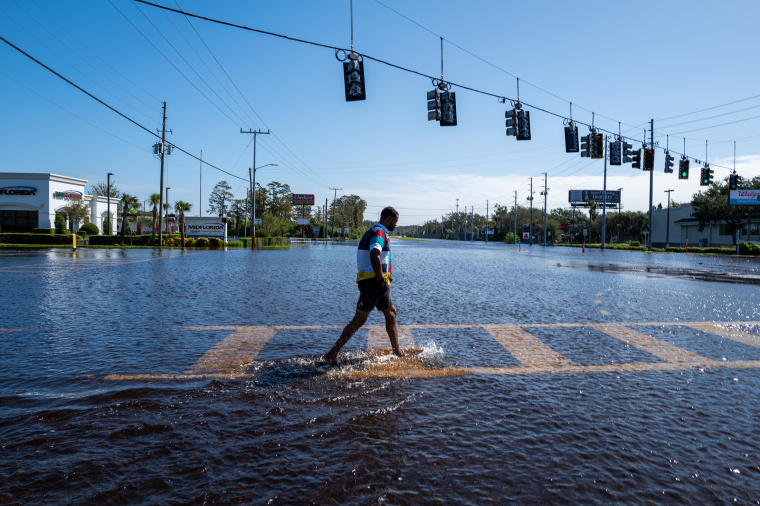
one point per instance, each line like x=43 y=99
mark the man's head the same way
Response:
x=389 y=218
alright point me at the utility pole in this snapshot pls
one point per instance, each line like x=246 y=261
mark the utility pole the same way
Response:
x=472 y=224
x=334 y=208
x=486 y=222
x=161 y=191
x=458 y=212
x=515 y=217
x=667 y=229
x=200 y=190
x=253 y=184
x=546 y=191
x=604 y=194
x=325 y=217
x=530 y=241
x=651 y=183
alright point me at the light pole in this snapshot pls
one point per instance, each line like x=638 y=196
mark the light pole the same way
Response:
x=168 y=227
x=253 y=201
x=620 y=206
x=667 y=227
x=109 y=202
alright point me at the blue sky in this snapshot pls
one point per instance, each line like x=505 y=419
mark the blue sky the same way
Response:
x=626 y=62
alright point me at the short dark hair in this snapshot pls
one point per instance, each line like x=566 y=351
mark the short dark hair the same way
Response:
x=388 y=211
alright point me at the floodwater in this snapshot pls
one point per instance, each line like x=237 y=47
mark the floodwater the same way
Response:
x=533 y=375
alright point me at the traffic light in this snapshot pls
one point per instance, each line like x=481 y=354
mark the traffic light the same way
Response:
x=734 y=180
x=668 y=163
x=511 y=116
x=636 y=159
x=615 y=153
x=706 y=176
x=586 y=146
x=353 y=78
x=627 y=152
x=449 y=108
x=683 y=168
x=597 y=145
x=434 y=104
x=648 y=159
x=523 y=125
x=571 y=139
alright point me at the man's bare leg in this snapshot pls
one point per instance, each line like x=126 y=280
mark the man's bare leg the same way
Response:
x=392 y=329
x=355 y=324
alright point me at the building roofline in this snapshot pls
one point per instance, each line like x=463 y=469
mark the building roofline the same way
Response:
x=43 y=176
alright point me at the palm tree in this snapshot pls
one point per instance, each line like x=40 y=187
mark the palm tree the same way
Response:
x=127 y=203
x=155 y=198
x=182 y=207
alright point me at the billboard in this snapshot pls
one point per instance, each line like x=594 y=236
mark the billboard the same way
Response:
x=584 y=196
x=744 y=198
x=301 y=199
x=212 y=226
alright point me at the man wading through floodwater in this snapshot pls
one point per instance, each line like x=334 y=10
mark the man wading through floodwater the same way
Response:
x=373 y=259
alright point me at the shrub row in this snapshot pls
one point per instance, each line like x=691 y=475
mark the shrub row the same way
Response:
x=21 y=238
x=746 y=248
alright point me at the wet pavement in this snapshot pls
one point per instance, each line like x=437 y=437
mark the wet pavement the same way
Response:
x=533 y=375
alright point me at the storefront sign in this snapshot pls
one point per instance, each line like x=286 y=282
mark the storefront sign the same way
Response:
x=300 y=199
x=68 y=195
x=584 y=196
x=18 y=190
x=744 y=198
x=206 y=227
x=302 y=221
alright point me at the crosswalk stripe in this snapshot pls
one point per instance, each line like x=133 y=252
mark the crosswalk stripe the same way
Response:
x=378 y=337
x=728 y=333
x=234 y=352
x=526 y=348
x=649 y=344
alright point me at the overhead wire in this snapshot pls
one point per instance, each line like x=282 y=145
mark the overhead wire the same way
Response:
x=109 y=106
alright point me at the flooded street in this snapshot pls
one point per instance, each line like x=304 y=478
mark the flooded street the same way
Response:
x=540 y=375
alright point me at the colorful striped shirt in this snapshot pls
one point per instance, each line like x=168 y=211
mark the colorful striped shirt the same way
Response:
x=377 y=237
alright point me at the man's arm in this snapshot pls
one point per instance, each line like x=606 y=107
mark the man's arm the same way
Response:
x=377 y=266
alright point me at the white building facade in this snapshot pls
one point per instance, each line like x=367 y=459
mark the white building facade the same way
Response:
x=30 y=200
x=684 y=229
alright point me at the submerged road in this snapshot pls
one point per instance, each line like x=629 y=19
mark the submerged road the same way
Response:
x=541 y=375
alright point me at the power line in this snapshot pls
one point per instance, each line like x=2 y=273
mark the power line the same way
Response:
x=110 y=107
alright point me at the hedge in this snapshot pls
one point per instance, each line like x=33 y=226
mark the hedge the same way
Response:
x=43 y=231
x=746 y=248
x=20 y=238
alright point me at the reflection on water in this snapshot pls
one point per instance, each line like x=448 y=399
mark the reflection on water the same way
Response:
x=475 y=412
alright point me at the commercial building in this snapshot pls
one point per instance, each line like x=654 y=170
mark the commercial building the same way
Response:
x=684 y=229
x=30 y=200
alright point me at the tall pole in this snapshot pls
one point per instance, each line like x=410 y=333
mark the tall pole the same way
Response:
x=472 y=223
x=515 y=217
x=110 y=227
x=253 y=184
x=604 y=195
x=334 y=208
x=200 y=190
x=458 y=210
x=546 y=191
x=667 y=228
x=161 y=191
x=651 y=185
x=530 y=233
x=325 y=217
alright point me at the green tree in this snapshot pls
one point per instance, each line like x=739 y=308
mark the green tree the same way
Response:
x=711 y=207
x=60 y=223
x=100 y=189
x=220 y=195
x=182 y=207
x=155 y=199
x=281 y=202
x=77 y=211
x=128 y=204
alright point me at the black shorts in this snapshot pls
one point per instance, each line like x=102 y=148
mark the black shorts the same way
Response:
x=372 y=293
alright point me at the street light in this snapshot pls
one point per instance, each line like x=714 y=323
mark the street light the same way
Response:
x=109 y=202
x=168 y=227
x=253 y=203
